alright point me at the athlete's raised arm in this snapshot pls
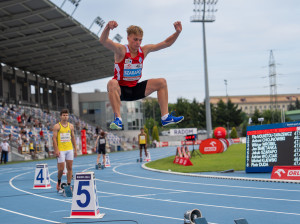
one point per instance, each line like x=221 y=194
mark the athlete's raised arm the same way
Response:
x=117 y=48
x=166 y=43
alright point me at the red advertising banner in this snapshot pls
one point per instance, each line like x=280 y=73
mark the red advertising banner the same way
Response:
x=83 y=142
x=286 y=172
x=210 y=146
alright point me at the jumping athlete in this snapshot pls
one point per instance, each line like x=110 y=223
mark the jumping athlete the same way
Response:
x=64 y=146
x=142 y=143
x=128 y=70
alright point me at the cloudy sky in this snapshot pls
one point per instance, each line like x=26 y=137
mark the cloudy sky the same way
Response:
x=238 y=44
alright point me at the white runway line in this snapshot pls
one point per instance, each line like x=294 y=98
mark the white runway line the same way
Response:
x=204 y=184
x=29 y=216
x=105 y=208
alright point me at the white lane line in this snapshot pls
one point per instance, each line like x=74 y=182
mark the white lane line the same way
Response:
x=198 y=192
x=29 y=216
x=105 y=208
x=206 y=205
x=204 y=184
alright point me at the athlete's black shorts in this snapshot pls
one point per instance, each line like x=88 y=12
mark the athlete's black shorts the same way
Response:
x=101 y=150
x=142 y=146
x=133 y=93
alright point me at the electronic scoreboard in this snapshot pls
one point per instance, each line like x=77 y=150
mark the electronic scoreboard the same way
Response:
x=190 y=137
x=272 y=145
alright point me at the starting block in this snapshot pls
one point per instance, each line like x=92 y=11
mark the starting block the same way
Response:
x=85 y=200
x=41 y=177
x=99 y=166
x=68 y=191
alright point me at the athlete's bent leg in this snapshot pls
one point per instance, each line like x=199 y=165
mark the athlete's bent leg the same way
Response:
x=114 y=93
x=159 y=85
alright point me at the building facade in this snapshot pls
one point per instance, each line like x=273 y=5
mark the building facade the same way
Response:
x=249 y=104
x=95 y=108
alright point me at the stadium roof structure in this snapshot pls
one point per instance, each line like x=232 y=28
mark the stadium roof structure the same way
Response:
x=38 y=37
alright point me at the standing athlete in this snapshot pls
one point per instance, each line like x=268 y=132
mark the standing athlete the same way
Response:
x=64 y=146
x=128 y=70
x=100 y=145
x=142 y=143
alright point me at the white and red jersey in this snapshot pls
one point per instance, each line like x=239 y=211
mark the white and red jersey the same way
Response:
x=129 y=71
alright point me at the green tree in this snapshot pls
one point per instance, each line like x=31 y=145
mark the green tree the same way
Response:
x=244 y=128
x=150 y=122
x=147 y=134
x=295 y=106
x=155 y=135
x=152 y=110
x=269 y=115
x=255 y=117
x=228 y=114
x=233 y=133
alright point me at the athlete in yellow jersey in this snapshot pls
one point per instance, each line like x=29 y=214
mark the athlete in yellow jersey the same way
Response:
x=142 y=138
x=64 y=146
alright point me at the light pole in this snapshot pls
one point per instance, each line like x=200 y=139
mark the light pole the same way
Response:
x=225 y=82
x=99 y=21
x=204 y=12
x=118 y=38
x=74 y=2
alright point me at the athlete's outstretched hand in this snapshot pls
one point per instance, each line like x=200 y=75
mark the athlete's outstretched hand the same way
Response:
x=112 y=24
x=178 y=26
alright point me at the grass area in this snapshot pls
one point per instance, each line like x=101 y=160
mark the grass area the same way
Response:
x=233 y=158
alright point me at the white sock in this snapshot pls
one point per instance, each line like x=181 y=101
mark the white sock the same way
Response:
x=165 y=117
x=120 y=118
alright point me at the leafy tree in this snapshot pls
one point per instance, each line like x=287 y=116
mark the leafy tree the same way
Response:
x=270 y=116
x=152 y=110
x=294 y=107
x=233 y=133
x=255 y=117
x=147 y=134
x=150 y=124
x=244 y=128
x=155 y=135
x=228 y=112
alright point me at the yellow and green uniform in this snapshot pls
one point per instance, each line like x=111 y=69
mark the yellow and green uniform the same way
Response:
x=142 y=139
x=64 y=142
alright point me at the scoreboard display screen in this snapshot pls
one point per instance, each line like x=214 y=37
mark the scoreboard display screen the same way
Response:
x=272 y=145
x=190 y=137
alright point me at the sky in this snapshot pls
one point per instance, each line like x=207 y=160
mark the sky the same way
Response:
x=238 y=44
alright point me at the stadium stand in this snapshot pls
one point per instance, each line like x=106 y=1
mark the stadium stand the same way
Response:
x=44 y=48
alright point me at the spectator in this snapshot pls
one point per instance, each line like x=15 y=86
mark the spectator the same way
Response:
x=29 y=120
x=19 y=119
x=47 y=148
x=5 y=150
x=41 y=134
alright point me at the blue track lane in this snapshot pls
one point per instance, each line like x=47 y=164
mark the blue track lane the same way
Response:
x=126 y=191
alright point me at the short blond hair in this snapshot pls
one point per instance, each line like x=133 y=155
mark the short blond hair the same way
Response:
x=135 y=30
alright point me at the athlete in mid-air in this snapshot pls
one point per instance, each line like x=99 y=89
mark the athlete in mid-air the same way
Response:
x=128 y=70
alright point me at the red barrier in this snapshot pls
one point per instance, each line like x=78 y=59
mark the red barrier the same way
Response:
x=210 y=146
x=183 y=156
x=83 y=142
x=286 y=172
x=178 y=155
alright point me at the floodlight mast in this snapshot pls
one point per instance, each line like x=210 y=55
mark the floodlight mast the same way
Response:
x=204 y=12
x=99 y=21
x=74 y=2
